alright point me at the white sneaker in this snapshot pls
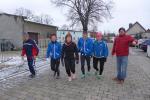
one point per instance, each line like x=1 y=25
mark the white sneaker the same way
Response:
x=73 y=76
x=69 y=79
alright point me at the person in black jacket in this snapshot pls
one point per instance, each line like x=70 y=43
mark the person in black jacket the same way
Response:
x=69 y=56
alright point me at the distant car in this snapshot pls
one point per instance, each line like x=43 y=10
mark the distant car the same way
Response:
x=140 y=41
x=148 y=51
x=145 y=44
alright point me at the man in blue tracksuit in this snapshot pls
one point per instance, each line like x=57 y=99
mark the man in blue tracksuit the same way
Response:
x=30 y=49
x=85 y=46
x=54 y=52
x=100 y=54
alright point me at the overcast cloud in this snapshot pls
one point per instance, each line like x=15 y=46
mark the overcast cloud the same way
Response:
x=124 y=12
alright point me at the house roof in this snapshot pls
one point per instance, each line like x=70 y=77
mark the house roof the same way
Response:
x=3 y=13
x=40 y=24
x=135 y=24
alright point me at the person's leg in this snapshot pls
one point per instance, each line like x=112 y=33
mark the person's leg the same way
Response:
x=95 y=63
x=57 y=67
x=102 y=62
x=31 y=66
x=82 y=64
x=88 y=59
x=52 y=64
x=67 y=66
x=119 y=60
x=124 y=67
x=72 y=67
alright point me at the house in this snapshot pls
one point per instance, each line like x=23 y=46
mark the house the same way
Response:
x=136 y=29
x=12 y=28
x=146 y=34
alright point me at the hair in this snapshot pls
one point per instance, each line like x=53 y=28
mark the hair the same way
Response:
x=68 y=35
x=25 y=33
x=53 y=34
x=122 y=28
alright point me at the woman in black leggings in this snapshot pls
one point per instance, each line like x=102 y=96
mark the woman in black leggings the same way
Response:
x=69 y=56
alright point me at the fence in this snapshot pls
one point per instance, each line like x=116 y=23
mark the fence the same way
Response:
x=43 y=43
x=5 y=46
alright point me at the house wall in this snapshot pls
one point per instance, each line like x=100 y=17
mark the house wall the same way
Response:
x=135 y=29
x=11 y=28
x=42 y=30
x=147 y=34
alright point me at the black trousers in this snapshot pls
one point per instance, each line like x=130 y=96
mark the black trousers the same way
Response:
x=95 y=64
x=70 y=66
x=55 y=66
x=31 y=64
x=83 y=59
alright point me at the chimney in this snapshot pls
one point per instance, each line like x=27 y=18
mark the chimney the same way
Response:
x=130 y=25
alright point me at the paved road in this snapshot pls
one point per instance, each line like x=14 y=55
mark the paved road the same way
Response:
x=45 y=87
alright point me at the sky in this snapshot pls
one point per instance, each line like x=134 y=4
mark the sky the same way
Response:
x=123 y=12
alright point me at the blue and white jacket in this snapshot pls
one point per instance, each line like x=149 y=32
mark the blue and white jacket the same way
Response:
x=85 y=46
x=100 y=49
x=54 y=50
x=30 y=49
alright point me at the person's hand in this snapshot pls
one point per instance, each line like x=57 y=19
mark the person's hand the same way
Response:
x=34 y=57
x=22 y=57
x=77 y=61
x=62 y=62
x=134 y=43
x=46 y=59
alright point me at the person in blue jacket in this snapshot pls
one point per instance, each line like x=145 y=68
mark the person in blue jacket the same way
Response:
x=85 y=46
x=54 y=52
x=100 y=54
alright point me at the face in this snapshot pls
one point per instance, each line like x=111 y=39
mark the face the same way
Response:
x=26 y=37
x=68 y=39
x=53 y=38
x=84 y=35
x=99 y=37
x=121 y=32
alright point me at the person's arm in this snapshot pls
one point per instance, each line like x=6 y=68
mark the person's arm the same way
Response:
x=76 y=52
x=114 y=48
x=48 y=51
x=23 y=52
x=62 y=55
x=79 y=45
x=35 y=49
x=132 y=40
x=106 y=50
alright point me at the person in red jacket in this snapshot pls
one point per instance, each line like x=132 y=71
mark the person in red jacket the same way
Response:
x=121 y=50
x=31 y=50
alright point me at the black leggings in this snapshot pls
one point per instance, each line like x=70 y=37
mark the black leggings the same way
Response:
x=88 y=59
x=55 y=66
x=95 y=64
x=70 y=66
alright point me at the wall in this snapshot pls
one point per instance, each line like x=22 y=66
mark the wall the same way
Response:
x=11 y=29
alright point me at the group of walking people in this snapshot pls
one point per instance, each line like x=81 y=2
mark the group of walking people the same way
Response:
x=88 y=48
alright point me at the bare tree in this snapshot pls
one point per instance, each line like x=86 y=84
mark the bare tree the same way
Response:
x=43 y=18
x=25 y=12
x=86 y=12
x=64 y=27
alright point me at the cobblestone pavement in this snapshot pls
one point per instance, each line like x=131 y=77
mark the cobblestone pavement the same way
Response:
x=45 y=87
